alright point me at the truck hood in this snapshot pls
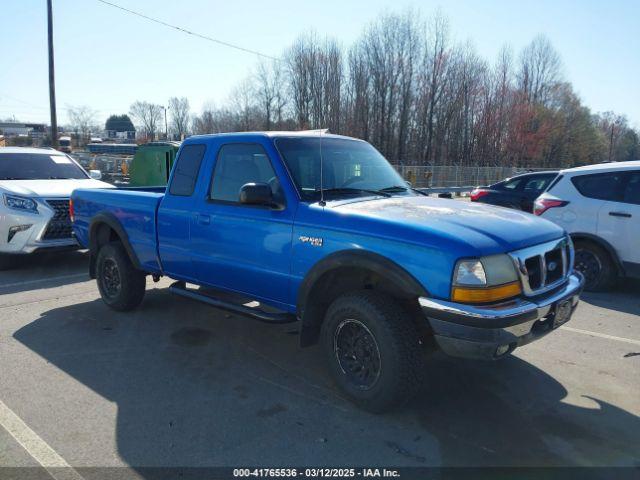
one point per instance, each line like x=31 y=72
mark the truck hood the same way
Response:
x=49 y=188
x=484 y=229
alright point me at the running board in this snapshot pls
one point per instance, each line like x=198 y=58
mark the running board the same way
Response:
x=179 y=288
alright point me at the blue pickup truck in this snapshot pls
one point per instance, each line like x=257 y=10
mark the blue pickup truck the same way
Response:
x=320 y=229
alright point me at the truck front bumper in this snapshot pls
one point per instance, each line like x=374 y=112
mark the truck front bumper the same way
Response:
x=492 y=331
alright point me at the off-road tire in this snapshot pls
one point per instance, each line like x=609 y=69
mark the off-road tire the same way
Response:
x=397 y=341
x=596 y=264
x=112 y=257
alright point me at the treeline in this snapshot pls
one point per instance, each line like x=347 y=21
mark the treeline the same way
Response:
x=420 y=98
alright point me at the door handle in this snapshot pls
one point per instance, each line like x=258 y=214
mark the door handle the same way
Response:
x=204 y=219
x=620 y=214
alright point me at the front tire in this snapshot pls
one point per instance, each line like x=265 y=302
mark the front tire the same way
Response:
x=595 y=263
x=121 y=285
x=373 y=350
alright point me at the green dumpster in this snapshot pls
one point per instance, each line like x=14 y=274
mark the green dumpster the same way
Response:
x=152 y=164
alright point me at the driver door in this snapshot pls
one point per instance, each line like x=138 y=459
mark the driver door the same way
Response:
x=244 y=248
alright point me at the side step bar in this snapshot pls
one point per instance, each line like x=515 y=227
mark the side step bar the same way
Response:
x=179 y=288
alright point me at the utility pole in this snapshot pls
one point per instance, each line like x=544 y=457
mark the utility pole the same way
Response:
x=166 y=130
x=52 y=85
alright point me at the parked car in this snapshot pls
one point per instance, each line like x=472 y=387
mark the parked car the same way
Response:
x=599 y=205
x=35 y=186
x=517 y=192
x=322 y=230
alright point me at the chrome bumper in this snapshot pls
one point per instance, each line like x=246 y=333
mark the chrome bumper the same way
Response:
x=491 y=331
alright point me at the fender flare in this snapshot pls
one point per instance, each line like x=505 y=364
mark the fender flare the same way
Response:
x=109 y=219
x=359 y=259
x=575 y=236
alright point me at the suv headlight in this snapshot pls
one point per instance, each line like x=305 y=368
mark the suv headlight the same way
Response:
x=20 y=203
x=487 y=279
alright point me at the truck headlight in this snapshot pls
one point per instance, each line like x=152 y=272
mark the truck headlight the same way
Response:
x=20 y=203
x=487 y=279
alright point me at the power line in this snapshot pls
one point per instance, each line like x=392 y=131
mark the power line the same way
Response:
x=189 y=32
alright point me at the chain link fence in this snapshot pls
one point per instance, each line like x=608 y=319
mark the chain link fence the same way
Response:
x=442 y=176
x=114 y=168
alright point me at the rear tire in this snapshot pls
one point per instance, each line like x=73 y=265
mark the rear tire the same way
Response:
x=597 y=266
x=373 y=350
x=121 y=285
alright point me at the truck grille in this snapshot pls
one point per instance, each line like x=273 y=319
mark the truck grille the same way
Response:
x=59 y=227
x=544 y=267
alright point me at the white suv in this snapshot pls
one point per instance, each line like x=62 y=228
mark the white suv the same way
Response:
x=35 y=186
x=599 y=205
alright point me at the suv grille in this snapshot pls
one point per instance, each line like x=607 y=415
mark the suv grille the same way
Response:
x=59 y=226
x=544 y=267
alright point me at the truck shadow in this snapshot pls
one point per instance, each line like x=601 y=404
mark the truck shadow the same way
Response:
x=624 y=297
x=44 y=270
x=195 y=386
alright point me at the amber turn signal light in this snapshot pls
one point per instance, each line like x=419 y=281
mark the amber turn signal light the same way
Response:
x=485 y=294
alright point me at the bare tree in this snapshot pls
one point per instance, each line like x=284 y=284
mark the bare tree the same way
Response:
x=539 y=73
x=82 y=120
x=421 y=99
x=148 y=115
x=180 y=116
x=315 y=72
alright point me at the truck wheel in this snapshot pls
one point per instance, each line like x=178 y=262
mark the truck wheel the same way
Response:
x=121 y=285
x=595 y=263
x=373 y=350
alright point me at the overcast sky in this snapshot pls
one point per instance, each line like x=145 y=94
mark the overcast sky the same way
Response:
x=106 y=58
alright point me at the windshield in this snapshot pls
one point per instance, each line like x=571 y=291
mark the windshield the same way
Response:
x=38 y=166
x=350 y=167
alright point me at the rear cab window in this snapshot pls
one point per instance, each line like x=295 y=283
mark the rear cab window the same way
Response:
x=186 y=171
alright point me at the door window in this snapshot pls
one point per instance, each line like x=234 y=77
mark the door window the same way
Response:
x=511 y=185
x=632 y=191
x=537 y=184
x=238 y=164
x=187 y=168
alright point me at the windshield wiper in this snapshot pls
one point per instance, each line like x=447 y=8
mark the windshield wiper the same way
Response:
x=356 y=191
x=394 y=189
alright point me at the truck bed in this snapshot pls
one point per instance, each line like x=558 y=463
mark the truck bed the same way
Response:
x=134 y=208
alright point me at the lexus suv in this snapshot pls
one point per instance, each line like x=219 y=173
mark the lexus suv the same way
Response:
x=599 y=205
x=35 y=186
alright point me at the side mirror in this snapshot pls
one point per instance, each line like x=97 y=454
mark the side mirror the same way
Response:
x=256 y=194
x=95 y=174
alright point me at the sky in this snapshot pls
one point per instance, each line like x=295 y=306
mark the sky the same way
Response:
x=107 y=59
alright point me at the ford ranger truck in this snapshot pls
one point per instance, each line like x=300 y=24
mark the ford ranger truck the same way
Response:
x=320 y=229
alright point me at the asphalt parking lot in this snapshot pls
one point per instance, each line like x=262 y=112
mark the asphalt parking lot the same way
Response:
x=178 y=383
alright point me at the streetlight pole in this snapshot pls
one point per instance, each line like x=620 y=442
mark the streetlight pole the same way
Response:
x=166 y=129
x=52 y=85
